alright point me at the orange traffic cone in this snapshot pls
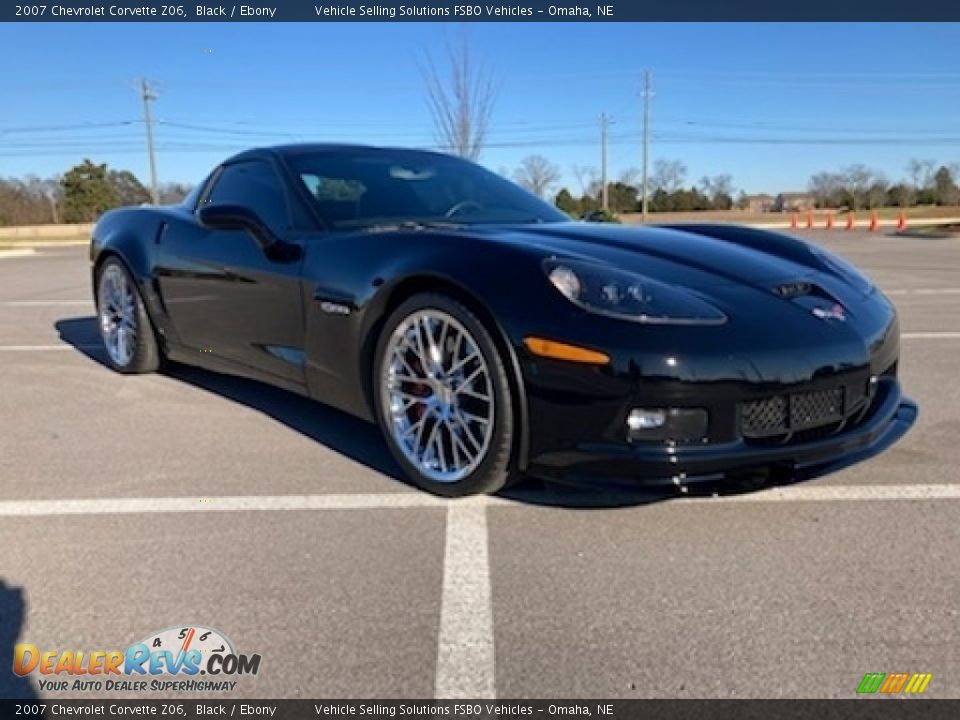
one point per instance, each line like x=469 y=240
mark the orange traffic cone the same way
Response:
x=851 y=220
x=902 y=221
x=874 y=222
x=830 y=220
x=793 y=221
x=809 y=219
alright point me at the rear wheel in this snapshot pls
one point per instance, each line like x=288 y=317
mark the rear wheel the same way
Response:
x=443 y=398
x=125 y=327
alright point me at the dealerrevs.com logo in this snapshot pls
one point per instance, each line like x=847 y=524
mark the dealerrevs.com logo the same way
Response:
x=187 y=658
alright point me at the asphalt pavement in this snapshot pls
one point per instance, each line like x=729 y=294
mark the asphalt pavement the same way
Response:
x=133 y=504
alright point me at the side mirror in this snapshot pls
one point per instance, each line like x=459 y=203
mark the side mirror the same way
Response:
x=237 y=217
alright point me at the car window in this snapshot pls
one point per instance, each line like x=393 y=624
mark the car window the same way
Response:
x=366 y=187
x=253 y=184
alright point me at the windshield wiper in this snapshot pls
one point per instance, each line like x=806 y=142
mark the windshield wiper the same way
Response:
x=413 y=225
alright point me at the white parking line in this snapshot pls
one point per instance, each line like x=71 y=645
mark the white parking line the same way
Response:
x=930 y=336
x=46 y=303
x=412 y=500
x=123 y=506
x=465 y=655
x=840 y=493
x=44 y=348
x=924 y=291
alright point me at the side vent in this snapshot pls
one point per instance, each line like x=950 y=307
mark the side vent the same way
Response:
x=793 y=289
x=160 y=233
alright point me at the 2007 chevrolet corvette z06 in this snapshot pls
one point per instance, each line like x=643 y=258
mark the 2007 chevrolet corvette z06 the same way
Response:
x=492 y=338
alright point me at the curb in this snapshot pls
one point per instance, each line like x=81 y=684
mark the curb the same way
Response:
x=17 y=252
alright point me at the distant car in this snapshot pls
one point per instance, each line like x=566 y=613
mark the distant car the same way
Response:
x=600 y=216
x=489 y=337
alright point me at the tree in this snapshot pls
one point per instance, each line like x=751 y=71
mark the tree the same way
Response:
x=857 y=181
x=876 y=194
x=623 y=197
x=921 y=173
x=901 y=195
x=87 y=192
x=537 y=174
x=128 y=188
x=568 y=203
x=461 y=101
x=586 y=176
x=719 y=189
x=945 y=187
x=668 y=175
x=827 y=189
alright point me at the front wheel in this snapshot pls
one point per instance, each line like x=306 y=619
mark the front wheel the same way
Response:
x=443 y=398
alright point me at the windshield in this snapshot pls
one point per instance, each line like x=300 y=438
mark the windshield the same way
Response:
x=374 y=188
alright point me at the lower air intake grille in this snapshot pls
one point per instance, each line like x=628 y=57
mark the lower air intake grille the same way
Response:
x=782 y=414
x=764 y=417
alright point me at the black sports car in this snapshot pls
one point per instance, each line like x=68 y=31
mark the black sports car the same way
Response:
x=490 y=337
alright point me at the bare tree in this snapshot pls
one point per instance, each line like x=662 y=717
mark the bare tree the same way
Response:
x=858 y=179
x=826 y=188
x=719 y=189
x=668 y=175
x=921 y=172
x=586 y=177
x=537 y=174
x=460 y=99
x=630 y=176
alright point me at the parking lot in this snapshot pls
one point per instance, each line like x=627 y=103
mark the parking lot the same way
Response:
x=132 y=504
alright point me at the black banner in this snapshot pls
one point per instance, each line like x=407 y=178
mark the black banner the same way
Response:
x=506 y=11
x=865 y=709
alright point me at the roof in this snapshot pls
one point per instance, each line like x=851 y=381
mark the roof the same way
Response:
x=291 y=149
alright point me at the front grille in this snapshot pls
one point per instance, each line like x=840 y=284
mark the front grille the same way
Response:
x=764 y=417
x=815 y=408
x=781 y=417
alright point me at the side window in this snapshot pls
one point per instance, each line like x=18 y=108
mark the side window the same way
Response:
x=255 y=185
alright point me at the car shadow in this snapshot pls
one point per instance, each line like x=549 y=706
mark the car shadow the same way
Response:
x=342 y=433
x=363 y=442
x=12 y=613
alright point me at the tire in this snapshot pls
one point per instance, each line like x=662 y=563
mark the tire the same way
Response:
x=435 y=363
x=125 y=328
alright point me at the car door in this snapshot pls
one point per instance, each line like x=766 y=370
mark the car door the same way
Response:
x=224 y=294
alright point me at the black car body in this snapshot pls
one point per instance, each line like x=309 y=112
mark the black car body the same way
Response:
x=624 y=354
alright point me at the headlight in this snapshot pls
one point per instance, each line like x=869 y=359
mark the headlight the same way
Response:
x=839 y=266
x=608 y=291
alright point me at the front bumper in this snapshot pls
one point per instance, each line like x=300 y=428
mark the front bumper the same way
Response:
x=889 y=417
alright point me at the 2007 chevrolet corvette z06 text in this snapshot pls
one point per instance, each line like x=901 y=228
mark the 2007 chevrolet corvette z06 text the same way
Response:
x=490 y=337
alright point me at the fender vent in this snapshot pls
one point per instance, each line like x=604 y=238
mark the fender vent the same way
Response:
x=793 y=289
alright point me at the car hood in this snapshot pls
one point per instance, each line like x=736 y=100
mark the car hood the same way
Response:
x=673 y=256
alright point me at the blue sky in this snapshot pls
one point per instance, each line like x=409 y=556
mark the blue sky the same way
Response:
x=819 y=96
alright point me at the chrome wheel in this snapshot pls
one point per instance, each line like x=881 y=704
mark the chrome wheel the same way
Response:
x=437 y=395
x=118 y=315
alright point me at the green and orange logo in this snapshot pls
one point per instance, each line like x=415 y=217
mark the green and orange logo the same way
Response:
x=894 y=683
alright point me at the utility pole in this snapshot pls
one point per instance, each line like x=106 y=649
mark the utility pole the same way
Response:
x=647 y=92
x=604 y=191
x=148 y=96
